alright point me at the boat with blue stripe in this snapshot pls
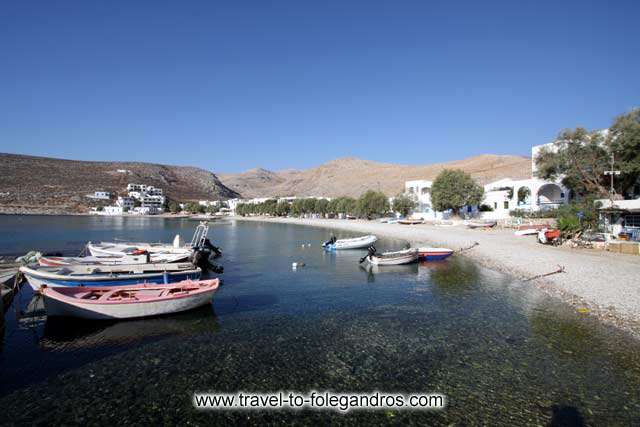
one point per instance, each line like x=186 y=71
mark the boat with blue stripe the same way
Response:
x=38 y=276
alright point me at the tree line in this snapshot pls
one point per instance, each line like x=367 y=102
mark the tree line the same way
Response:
x=368 y=205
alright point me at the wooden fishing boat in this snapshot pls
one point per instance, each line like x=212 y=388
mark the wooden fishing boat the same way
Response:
x=409 y=221
x=406 y=256
x=481 y=224
x=434 y=254
x=101 y=275
x=128 y=302
x=355 y=243
x=58 y=261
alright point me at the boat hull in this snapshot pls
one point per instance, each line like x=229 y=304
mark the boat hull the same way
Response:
x=434 y=254
x=394 y=258
x=357 y=243
x=36 y=281
x=72 y=307
x=157 y=253
x=49 y=261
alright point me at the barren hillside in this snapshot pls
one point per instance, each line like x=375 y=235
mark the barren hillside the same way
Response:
x=29 y=182
x=352 y=176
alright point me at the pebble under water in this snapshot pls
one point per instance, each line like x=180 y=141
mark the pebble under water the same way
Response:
x=501 y=351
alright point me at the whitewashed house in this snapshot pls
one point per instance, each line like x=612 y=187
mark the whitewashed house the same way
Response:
x=420 y=192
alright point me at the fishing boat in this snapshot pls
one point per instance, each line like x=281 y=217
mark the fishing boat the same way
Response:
x=158 y=252
x=334 y=244
x=57 y=261
x=7 y=276
x=406 y=256
x=128 y=302
x=410 y=221
x=526 y=230
x=481 y=224
x=434 y=254
x=109 y=275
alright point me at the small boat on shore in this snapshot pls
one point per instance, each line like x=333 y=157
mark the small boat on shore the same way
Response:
x=434 y=254
x=334 y=244
x=481 y=224
x=128 y=302
x=526 y=230
x=409 y=221
x=406 y=256
x=87 y=275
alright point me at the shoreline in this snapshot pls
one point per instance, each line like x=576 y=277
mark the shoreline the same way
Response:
x=604 y=283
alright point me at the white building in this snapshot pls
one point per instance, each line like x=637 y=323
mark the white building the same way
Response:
x=531 y=194
x=420 y=191
x=112 y=210
x=100 y=195
x=125 y=202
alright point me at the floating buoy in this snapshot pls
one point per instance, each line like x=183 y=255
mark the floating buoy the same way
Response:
x=583 y=310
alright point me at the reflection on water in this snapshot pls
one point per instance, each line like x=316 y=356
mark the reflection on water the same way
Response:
x=68 y=334
x=501 y=351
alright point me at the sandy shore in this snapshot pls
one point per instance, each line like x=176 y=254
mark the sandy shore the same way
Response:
x=607 y=284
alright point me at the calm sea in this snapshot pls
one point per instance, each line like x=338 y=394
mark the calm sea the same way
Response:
x=501 y=351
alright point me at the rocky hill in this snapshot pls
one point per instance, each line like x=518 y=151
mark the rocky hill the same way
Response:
x=44 y=184
x=351 y=176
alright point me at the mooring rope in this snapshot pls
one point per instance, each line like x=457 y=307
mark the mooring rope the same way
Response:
x=469 y=247
x=559 y=270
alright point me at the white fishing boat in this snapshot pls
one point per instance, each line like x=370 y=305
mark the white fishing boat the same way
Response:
x=57 y=261
x=355 y=243
x=405 y=256
x=128 y=302
x=158 y=252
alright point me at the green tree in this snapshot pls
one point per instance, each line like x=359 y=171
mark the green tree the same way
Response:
x=454 y=189
x=309 y=205
x=579 y=158
x=137 y=203
x=523 y=194
x=174 y=207
x=297 y=207
x=346 y=205
x=322 y=206
x=403 y=204
x=192 y=207
x=372 y=203
x=623 y=141
x=283 y=208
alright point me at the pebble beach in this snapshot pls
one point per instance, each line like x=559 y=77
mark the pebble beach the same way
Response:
x=595 y=282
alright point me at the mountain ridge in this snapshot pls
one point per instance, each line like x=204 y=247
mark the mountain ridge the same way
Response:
x=351 y=176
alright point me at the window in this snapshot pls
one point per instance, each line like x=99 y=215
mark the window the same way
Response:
x=410 y=190
x=562 y=195
x=426 y=190
x=506 y=205
x=469 y=209
x=495 y=205
x=632 y=221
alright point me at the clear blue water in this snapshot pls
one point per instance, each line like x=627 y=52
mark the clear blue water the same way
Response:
x=503 y=353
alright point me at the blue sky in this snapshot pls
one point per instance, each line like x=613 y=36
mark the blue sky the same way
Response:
x=229 y=86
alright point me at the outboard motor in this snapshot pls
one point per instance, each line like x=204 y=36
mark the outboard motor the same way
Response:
x=371 y=251
x=201 y=260
x=331 y=241
x=216 y=251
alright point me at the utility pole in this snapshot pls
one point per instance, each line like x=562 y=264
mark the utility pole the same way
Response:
x=612 y=172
